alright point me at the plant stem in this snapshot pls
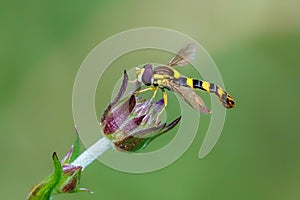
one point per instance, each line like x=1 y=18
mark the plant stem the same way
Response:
x=92 y=153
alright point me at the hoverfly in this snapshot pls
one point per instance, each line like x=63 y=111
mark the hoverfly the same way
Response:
x=167 y=78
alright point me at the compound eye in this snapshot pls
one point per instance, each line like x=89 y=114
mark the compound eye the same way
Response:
x=147 y=75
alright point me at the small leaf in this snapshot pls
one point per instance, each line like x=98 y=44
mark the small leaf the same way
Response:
x=76 y=149
x=44 y=190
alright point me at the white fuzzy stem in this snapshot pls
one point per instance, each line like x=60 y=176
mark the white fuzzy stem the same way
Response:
x=92 y=153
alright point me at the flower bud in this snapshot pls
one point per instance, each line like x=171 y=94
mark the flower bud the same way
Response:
x=131 y=122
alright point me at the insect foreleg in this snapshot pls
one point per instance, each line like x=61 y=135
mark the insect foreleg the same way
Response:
x=153 y=88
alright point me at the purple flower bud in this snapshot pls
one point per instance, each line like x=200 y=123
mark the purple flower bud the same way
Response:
x=70 y=176
x=131 y=122
x=64 y=179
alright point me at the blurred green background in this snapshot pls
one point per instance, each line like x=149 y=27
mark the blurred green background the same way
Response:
x=255 y=44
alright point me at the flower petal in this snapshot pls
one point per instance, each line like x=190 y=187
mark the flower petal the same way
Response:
x=117 y=98
x=118 y=116
x=148 y=131
x=171 y=125
x=132 y=125
x=67 y=157
x=69 y=169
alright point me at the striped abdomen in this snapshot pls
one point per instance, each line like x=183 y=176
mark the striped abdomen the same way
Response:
x=224 y=97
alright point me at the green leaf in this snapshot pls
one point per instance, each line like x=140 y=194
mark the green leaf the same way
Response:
x=44 y=190
x=76 y=149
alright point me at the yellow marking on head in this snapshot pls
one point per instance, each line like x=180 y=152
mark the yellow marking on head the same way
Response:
x=139 y=73
x=205 y=85
x=189 y=82
x=176 y=74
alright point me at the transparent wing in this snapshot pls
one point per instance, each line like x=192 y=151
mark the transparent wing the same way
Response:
x=190 y=96
x=183 y=56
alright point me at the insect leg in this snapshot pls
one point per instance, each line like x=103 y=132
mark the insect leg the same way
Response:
x=153 y=88
x=154 y=93
x=165 y=97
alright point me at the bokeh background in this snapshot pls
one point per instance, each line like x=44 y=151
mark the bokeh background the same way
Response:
x=256 y=45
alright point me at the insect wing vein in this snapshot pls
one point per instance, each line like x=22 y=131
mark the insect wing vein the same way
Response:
x=190 y=96
x=183 y=56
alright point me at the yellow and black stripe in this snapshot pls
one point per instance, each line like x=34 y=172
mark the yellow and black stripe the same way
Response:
x=224 y=97
x=164 y=73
